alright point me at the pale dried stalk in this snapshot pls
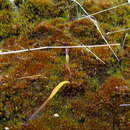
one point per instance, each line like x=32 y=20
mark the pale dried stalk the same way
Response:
x=122 y=30
x=96 y=24
x=33 y=76
x=124 y=105
x=67 y=55
x=67 y=62
x=124 y=40
x=106 y=41
x=123 y=4
x=54 y=47
x=94 y=55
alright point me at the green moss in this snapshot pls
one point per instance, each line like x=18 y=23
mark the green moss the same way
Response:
x=92 y=99
x=5 y=4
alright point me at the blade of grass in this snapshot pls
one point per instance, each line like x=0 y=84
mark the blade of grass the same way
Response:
x=53 y=93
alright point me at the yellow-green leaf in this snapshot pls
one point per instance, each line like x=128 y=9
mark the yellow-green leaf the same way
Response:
x=57 y=88
x=53 y=93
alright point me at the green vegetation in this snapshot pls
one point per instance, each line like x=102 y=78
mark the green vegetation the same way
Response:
x=92 y=99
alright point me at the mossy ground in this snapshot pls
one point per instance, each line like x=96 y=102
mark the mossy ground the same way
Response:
x=92 y=100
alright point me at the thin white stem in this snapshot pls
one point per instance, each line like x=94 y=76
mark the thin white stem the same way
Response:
x=123 y=4
x=124 y=40
x=96 y=24
x=94 y=55
x=122 y=30
x=38 y=110
x=54 y=47
x=33 y=76
x=107 y=42
x=124 y=105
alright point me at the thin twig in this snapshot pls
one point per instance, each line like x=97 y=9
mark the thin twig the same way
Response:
x=122 y=30
x=94 y=55
x=106 y=41
x=39 y=109
x=33 y=76
x=94 y=21
x=124 y=40
x=124 y=105
x=123 y=4
x=54 y=47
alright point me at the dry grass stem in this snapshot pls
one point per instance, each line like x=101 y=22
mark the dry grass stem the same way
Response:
x=124 y=40
x=123 y=4
x=54 y=47
x=94 y=55
x=94 y=21
x=122 y=30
